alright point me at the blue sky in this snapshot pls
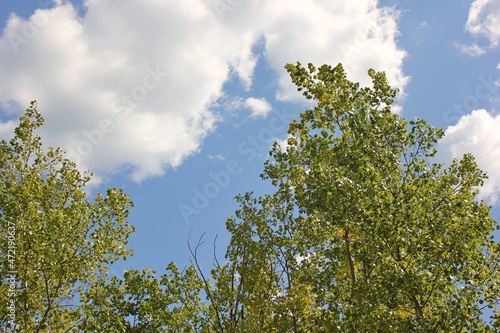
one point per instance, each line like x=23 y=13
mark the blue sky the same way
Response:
x=179 y=102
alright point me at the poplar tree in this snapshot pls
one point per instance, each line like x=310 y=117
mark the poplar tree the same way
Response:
x=55 y=241
x=364 y=231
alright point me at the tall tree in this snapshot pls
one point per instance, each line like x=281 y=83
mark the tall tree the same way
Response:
x=364 y=233
x=55 y=242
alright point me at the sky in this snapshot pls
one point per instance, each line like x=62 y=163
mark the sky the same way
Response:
x=179 y=102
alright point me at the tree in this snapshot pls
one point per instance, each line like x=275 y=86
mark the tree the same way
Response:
x=59 y=243
x=364 y=233
x=142 y=302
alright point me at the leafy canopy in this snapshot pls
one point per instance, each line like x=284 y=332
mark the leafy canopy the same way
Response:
x=60 y=242
x=364 y=233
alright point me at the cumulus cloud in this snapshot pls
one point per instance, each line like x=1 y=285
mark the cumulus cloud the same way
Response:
x=356 y=33
x=258 y=106
x=477 y=133
x=484 y=20
x=128 y=86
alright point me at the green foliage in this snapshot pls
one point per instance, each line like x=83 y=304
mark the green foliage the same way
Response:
x=60 y=241
x=364 y=233
x=140 y=302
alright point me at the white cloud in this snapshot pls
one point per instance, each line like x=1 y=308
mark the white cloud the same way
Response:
x=231 y=105
x=283 y=143
x=7 y=129
x=484 y=20
x=476 y=133
x=142 y=66
x=129 y=86
x=355 y=33
x=259 y=106
x=473 y=50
